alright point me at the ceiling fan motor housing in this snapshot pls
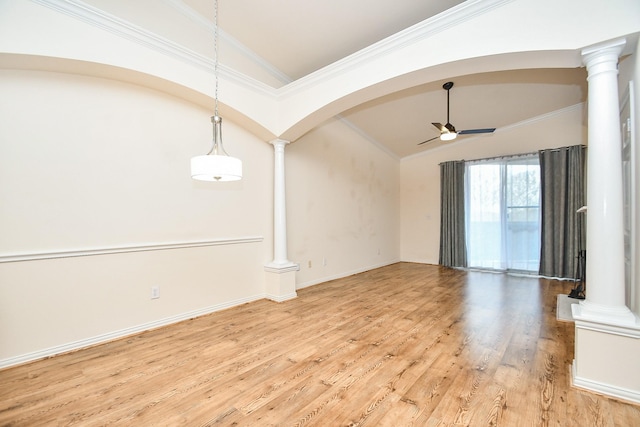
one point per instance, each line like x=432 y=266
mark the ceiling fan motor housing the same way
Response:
x=448 y=132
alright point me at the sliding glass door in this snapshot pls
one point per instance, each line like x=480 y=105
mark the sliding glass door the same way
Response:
x=503 y=214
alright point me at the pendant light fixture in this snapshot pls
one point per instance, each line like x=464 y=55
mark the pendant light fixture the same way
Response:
x=216 y=165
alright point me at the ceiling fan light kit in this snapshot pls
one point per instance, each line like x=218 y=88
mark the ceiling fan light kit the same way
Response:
x=448 y=131
x=448 y=136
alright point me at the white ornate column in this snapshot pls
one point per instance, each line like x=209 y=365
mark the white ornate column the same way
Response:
x=280 y=273
x=605 y=288
x=607 y=334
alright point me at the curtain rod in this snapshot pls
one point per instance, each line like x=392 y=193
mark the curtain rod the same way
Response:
x=496 y=157
x=516 y=155
x=562 y=148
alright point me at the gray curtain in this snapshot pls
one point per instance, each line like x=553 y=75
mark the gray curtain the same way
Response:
x=453 y=248
x=563 y=230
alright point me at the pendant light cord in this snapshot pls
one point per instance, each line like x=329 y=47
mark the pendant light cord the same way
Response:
x=216 y=165
x=215 y=52
x=215 y=120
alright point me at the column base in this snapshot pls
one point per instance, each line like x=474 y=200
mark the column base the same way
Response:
x=604 y=359
x=280 y=279
x=610 y=315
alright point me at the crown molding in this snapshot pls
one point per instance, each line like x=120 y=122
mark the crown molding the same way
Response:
x=368 y=137
x=131 y=32
x=122 y=28
x=414 y=34
x=198 y=19
x=531 y=120
x=119 y=27
x=98 y=18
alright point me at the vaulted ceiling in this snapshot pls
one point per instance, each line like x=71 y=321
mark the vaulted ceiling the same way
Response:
x=292 y=39
x=300 y=37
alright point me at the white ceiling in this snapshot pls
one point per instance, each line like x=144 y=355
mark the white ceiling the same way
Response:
x=302 y=36
x=298 y=37
x=402 y=120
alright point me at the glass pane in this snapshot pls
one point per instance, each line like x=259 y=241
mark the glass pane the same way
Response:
x=503 y=214
x=484 y=230
x=523 y=215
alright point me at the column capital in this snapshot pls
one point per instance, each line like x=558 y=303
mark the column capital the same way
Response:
x=607 y=52
x=279 y=142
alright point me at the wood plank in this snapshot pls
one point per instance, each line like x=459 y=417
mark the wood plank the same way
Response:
x=403 y=345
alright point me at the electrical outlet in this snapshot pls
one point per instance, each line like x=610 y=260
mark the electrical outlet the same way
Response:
x=155 y=292
x=309 y=263
x=324 y=261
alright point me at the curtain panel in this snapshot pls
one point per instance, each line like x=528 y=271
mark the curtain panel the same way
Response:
x=562 y=188
x=453 y=250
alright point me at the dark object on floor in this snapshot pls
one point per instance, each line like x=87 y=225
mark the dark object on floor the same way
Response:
x=578 y=291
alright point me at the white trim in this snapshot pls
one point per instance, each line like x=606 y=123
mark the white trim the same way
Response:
x=634 y=196
x=103 y=338
x=233 y=42
x=121 y=28
x=624 y=330
x=188 y=12
x=545 y=116
x=344 y=274
x=420 y=261
x=281 y=268
x=35 y=256
x=368 y=137
x=425 y=29
x=281 y=298
x=629 y=99
x=598 y=387
x=428 y=28
x=270 y=69
x=614 y=46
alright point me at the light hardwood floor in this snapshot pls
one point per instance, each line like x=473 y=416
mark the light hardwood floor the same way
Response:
x=403 y=345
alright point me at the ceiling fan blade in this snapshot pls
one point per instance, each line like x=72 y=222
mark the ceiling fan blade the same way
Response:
x=470 y=131
x=448 y=131
x=429 y=140
x=440 y=127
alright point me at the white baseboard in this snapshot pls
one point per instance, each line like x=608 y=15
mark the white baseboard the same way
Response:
x=605 y=389
x=103 y=338
x=420 y=261
x=100 y=339
x=281 y=298
x=344 y=274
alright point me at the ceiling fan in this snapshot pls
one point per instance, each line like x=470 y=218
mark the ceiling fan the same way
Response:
x=448 y=132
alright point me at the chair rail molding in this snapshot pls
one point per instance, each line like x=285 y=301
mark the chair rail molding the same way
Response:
x=35 y=256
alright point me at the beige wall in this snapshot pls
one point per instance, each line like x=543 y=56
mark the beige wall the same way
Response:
x=342 y=204
x=94 y=164
x=89 y=163
x=420 y=175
